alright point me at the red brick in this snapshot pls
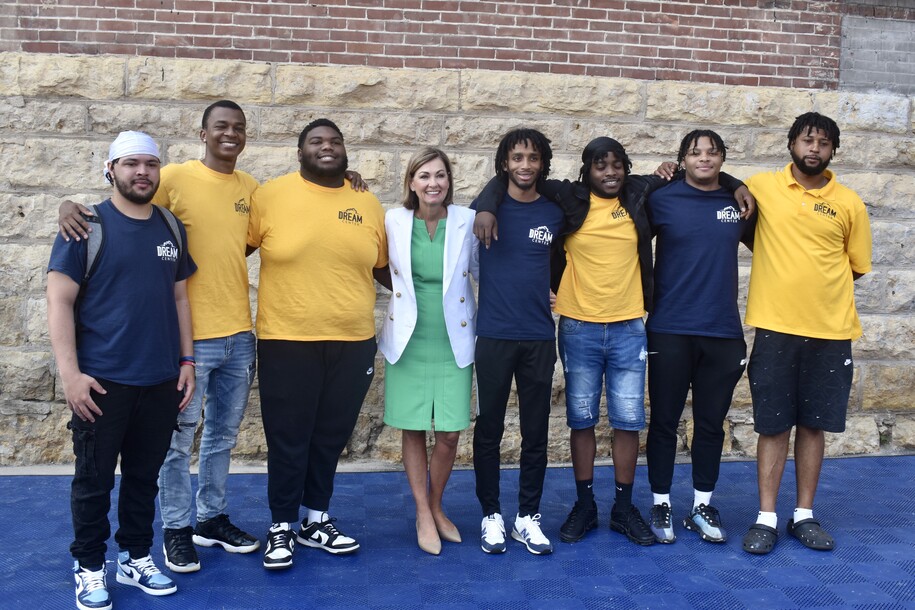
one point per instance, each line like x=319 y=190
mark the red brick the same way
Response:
x=604 y=71
x=691 y=66
x=251 y=19
x=38 y=23
x=732 y=79
x=586 y=59
x=543 y=56
x=639 y=73
x=174 y=16
x=477 y=53
x=301 y=58
x=645 y=7
x=513 y=55
x=568 y=69
x=426 y=63
x=363 y=48
x=296 y=23
x=117 y=26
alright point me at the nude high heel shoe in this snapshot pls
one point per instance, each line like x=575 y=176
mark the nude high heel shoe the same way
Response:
x=449 y=534
x=430 y=544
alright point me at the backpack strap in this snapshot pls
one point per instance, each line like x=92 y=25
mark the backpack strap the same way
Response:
x=172 y=223
x=94 y=244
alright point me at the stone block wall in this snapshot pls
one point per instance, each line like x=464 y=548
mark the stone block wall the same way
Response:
x=58 y=113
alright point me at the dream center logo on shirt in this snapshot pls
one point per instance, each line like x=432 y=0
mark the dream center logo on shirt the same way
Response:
x=541 y=235
x=619 y=213
x=350 y=216
x=729 y=214
x=823 y=209
x=167 y=252
x=242 y=207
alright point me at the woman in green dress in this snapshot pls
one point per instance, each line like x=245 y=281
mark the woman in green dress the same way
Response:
x=428 y=335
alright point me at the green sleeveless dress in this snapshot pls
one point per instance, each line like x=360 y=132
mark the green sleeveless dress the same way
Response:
x=425 y=389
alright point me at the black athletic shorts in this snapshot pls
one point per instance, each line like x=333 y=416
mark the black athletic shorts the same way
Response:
x=798 y=380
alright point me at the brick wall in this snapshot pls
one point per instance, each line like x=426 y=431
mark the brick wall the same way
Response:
x=785 y=43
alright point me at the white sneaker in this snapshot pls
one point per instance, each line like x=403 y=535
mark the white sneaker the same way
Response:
x=280 y=544
x=492 y=539
x=527 y=531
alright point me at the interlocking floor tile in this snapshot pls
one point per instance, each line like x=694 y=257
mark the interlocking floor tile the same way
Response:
x=867 y=504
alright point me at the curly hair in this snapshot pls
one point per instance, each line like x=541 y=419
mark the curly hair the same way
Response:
x=692 y=139
x=812 y=121
x=532 y=138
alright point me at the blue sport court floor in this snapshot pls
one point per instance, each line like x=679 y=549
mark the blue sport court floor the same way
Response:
x=868 y=504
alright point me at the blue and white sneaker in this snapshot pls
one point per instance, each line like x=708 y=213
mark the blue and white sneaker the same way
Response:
x=91 y=590
x=492 y=536
x=143 y=574
x=706 y=521
x=527 y=531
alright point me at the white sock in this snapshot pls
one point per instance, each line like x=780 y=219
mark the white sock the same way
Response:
x=661 y=499
x=701 y=497
x=770 y=519
x=316 y=516
x=802 y=513
x=283 y=525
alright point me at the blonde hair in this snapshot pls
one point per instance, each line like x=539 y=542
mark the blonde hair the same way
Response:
x=424 y=155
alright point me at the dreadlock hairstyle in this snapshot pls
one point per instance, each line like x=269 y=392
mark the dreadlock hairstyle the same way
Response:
x=220 y=104
x=811 y=121
x=692 y=139
x=314 y=125
x=532 y=138
x=597 y=149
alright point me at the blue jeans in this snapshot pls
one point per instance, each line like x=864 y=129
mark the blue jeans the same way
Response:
x=225 y=370
x=596 y=353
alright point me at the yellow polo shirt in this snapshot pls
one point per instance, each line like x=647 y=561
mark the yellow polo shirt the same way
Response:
x=807 y=245
x=602 y=281
x=318 y=247
x=214 y=209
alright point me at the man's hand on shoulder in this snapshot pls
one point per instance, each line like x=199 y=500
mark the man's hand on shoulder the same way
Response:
x=486 y=227
x=666 y=170
x=71 y=222
x=745 y=201
x=356 y=181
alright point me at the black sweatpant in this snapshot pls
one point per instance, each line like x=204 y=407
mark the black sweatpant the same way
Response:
x=136 y=423
x=712 y=366
x=531 y=363
x=311 y=393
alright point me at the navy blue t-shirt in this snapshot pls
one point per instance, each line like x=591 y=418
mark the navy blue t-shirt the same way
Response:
x=127 y=322
x=695 y=269
x=515 y=272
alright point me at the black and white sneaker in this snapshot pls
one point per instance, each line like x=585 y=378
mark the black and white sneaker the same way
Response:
x=219 y=531
x=179 y=551
x=325 y=535
x=280 y=544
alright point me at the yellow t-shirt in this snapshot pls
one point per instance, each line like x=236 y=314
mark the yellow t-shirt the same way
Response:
x=214 y=209
x=318 y=246
x=602 y=281
x=807 y=245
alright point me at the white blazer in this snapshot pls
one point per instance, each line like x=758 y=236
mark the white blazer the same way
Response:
x=457 y=292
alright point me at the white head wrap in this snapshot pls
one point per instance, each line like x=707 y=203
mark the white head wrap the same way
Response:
x=131 y=143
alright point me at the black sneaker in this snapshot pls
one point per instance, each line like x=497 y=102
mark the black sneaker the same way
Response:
x=220 y=531
x=179 y=551
x=632 y=525
x=661 y=526
x=280 y=544
x=325 y=535
x=580 y=521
